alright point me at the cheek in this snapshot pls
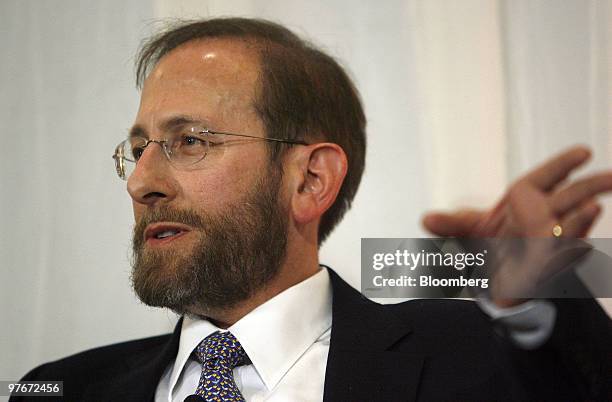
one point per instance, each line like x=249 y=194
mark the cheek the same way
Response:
x=215 y=191
x=208 y=193
x=228 y=182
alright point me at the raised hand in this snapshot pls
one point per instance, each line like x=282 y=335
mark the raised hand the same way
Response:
x=534 y=204
x=531 y=208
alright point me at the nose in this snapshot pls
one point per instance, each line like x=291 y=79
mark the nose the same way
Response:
x=152 y=181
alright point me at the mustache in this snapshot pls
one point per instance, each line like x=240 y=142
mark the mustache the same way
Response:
x=187 y=217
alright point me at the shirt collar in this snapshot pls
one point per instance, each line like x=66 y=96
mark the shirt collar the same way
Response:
x=275 y=334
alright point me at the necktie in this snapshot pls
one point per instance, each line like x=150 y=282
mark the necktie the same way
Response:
x=219 y=353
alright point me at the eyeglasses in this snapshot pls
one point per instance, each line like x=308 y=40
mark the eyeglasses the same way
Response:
x=183 y=150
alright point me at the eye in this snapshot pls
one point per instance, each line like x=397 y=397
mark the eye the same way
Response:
x=188 y=145
x=134 y=148
x=137 y=152
x=190 y=140
x=200 y=140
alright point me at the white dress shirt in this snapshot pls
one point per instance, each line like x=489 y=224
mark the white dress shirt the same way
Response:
x=287 y=340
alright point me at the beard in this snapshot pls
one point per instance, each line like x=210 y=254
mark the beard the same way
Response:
x=233 y=256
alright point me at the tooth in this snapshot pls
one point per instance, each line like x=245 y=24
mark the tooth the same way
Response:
x=165 y=234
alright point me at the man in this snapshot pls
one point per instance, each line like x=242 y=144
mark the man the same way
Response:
x=247 y=150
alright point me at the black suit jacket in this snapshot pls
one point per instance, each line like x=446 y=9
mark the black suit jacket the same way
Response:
x=425 y=350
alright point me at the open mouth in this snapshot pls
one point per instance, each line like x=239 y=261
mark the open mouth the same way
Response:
x=164 y=232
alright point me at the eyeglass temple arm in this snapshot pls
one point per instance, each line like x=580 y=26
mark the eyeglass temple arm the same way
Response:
x=297 y=142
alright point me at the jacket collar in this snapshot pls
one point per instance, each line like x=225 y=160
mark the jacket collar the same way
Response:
x=362 y=363
x=138 y=381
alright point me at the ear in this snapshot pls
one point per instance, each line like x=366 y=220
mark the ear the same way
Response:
x=318 y=173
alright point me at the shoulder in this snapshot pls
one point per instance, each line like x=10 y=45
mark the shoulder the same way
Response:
x=98 y=360
x=451 y=318
x=435 y=309
x=427 y=318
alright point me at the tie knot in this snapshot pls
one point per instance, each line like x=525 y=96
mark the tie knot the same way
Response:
x=221 y=350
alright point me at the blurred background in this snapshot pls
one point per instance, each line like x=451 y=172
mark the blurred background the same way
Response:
x=461 y=97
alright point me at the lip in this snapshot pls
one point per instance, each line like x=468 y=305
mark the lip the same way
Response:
x=155 y=228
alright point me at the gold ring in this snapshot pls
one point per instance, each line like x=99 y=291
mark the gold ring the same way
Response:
x=557 y=230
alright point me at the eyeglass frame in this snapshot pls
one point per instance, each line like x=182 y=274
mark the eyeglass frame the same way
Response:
x=119 y=160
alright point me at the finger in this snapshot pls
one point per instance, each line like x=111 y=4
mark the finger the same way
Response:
x=580 y=221
x=457 y=224
x=580 y=191
x=555 y=170
x=492 y=220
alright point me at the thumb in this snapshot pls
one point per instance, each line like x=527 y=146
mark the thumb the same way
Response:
x=460 y=223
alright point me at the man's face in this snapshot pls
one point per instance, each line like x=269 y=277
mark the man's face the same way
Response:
x=227 y=230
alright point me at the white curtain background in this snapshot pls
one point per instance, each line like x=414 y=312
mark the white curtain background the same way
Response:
x=461 y=98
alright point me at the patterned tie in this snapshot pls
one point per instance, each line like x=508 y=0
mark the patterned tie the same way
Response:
x=219 y=353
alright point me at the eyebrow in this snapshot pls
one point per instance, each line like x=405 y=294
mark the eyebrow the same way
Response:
x=171 y=124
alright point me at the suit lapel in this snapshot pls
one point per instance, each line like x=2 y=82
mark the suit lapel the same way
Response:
x=142 y=373
x=362 y=364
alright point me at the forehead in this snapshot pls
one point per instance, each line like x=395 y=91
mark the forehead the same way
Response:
x=211 y=79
